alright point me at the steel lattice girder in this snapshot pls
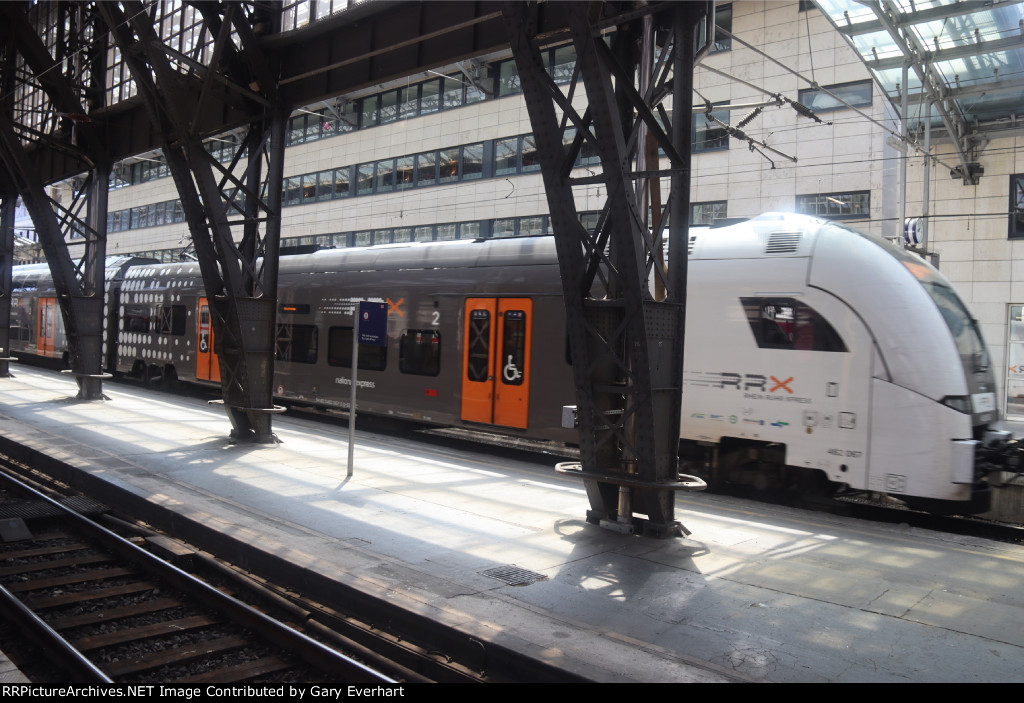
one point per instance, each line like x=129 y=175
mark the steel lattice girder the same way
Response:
x=80 y=287
x=6 y=268
x=240 y=279
x=626 y=347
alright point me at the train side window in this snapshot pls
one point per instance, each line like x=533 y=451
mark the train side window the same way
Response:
x=785 y=323
x=419 y=352
x=135 y=319
x=296 y=343
x=172 y=320
x=339 y=351
x=513 y=348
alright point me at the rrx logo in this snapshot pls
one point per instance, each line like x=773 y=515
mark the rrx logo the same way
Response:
x=754 y=382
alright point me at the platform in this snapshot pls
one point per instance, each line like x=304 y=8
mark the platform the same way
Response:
x=756 y=593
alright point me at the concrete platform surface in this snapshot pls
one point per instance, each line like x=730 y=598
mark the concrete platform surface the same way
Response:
x=756 y=593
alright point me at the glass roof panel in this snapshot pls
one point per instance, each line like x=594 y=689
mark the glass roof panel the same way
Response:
x=970 y=50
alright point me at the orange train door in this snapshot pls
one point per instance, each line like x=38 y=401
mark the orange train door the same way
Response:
x=207 y=365
x=496 y=361
x=47 y=329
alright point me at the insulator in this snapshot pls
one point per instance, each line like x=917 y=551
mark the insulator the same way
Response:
x=748 y=118
x=804 y=110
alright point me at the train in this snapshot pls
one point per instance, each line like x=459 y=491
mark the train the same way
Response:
x=816 y=356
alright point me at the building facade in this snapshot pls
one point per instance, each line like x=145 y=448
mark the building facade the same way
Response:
x=787 y=118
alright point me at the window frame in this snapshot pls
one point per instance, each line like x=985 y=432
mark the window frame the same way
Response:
x=1016 y=219
x=419 y=366
x=806 y=96
x=834 y=198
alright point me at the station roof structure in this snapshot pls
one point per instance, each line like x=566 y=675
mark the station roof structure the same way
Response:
x=964 y=63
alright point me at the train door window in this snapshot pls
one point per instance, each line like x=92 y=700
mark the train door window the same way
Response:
x=786 y=323
x=46 y=338
x=513 y=348
x=496 y=361
x=172 y=320
x=339 y=351
x=296 y=343
x=478 y=364
x=419 y=352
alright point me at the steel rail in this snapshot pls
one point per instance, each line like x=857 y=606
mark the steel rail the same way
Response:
x=314 y=653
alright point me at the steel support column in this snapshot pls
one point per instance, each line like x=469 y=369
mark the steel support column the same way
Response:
x=239 y=273
x=626 y=346
x=7 y=212
x=70 y=79
x=7 y=206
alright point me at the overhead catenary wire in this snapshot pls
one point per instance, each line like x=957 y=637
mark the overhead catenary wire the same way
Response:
x=813 y=84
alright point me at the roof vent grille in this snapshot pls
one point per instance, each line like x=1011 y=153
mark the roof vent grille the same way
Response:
x=782 y=243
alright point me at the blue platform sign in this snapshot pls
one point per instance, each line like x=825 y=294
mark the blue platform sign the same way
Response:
x=373 y=323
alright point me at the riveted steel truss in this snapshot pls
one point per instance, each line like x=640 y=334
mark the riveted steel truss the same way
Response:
x=69 y=77
x=6 y=266
x=233 y=211
x=626 y=341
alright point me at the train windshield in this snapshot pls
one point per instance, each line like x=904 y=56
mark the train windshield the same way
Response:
x=963 y=327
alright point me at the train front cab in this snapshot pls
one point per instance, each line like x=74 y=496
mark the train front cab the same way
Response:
x=932 y=388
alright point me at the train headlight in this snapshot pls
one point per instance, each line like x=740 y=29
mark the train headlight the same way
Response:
x=960 y=403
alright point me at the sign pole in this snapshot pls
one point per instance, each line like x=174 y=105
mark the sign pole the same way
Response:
x=352 y=393
x=370 y=327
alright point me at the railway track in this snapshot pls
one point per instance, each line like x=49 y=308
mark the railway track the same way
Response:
x=101 y=609
x=98 y=607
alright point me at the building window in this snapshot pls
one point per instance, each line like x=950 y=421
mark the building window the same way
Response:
x=707 y=213
x=1015 y=364
x=856 y=94
x=723 y=20
x=707 y=134
x=1017 y=205
x=835 y=206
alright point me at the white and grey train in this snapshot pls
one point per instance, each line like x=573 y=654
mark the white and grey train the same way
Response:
x=815 y=355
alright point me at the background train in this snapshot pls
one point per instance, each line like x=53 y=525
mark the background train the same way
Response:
x=815 y=356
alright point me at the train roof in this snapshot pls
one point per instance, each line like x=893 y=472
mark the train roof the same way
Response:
x=774 y=234
x=114 y=267
x=503 y=252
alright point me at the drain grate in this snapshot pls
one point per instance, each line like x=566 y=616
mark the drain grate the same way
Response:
x=513 y=575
